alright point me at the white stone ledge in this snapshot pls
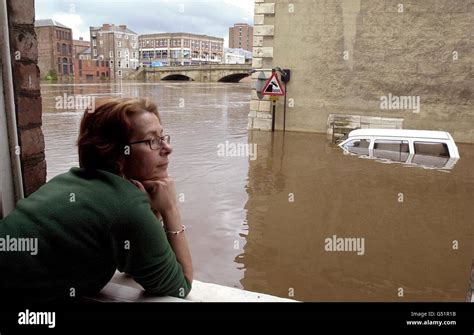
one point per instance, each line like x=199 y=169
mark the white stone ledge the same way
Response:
x=263 y=52
x=264 y=8
x=122 y=288
x=257 y=63
x=268 y=30
x=257 y=41
x=258 y=19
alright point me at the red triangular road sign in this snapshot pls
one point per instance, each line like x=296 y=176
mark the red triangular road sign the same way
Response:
x=273 y=86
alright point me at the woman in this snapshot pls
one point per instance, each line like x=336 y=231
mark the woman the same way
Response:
x=118 y=210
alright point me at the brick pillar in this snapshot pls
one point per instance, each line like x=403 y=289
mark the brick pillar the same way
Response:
x=26 y=84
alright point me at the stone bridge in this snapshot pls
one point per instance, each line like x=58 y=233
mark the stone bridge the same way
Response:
x=204 y=73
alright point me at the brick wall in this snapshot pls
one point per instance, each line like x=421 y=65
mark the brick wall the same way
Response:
x=24 y=55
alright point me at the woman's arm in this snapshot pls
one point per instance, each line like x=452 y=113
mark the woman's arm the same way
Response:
x=162 y=194
x=178 y=242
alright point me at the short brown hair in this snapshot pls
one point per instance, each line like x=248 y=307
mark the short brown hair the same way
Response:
x=106 y=130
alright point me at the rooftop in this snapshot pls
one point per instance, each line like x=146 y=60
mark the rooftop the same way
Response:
x=401 y=133
x=48 y=23
x=180 y=34
x=112 y=27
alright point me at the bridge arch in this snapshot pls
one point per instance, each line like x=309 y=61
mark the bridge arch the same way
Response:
x=233 y=78
x=177 y=77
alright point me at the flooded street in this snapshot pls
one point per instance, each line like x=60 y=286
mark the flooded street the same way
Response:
x=261 y=224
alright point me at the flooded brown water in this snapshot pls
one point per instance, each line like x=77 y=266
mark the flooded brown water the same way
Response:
x=262 y=224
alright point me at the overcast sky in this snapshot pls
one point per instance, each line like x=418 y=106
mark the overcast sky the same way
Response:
x=210 y=17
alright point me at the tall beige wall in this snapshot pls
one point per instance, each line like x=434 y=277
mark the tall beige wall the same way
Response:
x=345 y=55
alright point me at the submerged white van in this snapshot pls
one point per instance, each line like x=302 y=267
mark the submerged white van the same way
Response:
x=435 y=149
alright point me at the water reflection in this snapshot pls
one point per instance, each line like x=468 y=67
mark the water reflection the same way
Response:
x=409 y=219
x=443 y=164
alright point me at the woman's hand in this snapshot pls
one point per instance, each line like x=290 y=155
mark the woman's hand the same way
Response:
x=162 y=194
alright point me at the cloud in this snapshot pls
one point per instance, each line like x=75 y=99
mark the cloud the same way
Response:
x=144 y=17
x=75 y=22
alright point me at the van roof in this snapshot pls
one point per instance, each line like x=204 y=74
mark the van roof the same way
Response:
x=442 y=135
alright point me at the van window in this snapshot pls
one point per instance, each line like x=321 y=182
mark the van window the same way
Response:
x=359 y=147
x=431 y=149
x=391 y=149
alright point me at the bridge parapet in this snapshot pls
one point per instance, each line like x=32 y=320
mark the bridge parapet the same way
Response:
x=201 y=73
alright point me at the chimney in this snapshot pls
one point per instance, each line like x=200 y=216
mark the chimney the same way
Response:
x=106 y=26
x=123 y=26
x=81 y=39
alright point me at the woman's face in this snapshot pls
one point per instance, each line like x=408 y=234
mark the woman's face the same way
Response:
x=143 y=163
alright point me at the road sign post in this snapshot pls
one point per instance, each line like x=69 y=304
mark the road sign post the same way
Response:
x=274 y=89
x=273 y=99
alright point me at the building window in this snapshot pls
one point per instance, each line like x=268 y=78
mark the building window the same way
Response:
x=94 y=42
x=59 y=47
x=119 y=64
x=95 y=53
x=119 y=53
x=70 y=49
x=111 y=53
x=119 y=44
x=65 y=66
x=126 y=36
x=101 y=42
x=119 y=73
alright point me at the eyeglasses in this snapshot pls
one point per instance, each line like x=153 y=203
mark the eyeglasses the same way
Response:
x=156 y=142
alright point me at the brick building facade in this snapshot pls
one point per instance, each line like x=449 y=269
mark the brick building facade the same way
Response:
x=116 y=44
x=241 y=36
x=180 y=49
x=55 y=49
x=91 y=70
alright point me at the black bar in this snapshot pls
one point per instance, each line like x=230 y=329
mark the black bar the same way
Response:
x=382 y=316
